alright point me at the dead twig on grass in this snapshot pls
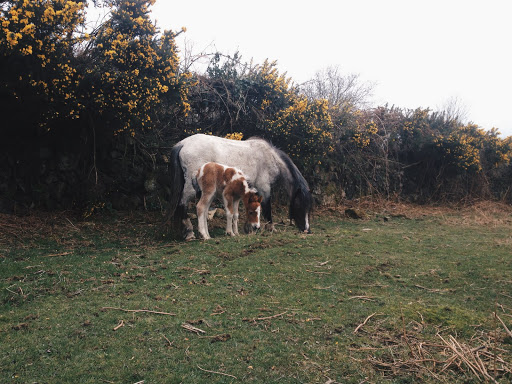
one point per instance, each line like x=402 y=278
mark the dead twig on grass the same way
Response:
x=434 y=290
x=364 y=298
x=191 y=328
x=217 y=373
x=504 y=325
x=271 y=317
x=266 y=317
x=365 y=321
x=140 y=311
x=169 y=341
x=121 y=324
x=318 y=272
x=59 y=254
x=324 y=288
x=215 y=338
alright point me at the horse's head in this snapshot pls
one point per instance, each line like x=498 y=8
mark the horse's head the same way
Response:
x=252 y=211
x=300 y=207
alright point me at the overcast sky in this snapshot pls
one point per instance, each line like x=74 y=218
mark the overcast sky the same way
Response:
x=419 y=53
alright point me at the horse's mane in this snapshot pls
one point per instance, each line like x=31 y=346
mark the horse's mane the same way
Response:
x=300 y=185
x=298 y=180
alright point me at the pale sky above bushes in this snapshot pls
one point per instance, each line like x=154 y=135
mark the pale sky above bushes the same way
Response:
x=419 y=53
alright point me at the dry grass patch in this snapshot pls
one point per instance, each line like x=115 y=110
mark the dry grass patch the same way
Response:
x=434 y=354
x=484 y=213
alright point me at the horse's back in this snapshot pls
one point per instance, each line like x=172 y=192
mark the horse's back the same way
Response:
x=256 y=158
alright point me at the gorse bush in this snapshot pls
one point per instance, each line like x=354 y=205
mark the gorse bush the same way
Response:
x=70 y=98
x=135 y=69
x=257 y=100
x=88 y=118
x=118 y=74
x=418 y=154
x=303 y=130
x=37 y=70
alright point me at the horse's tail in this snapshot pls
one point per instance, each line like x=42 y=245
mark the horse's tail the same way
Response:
x=178 y=182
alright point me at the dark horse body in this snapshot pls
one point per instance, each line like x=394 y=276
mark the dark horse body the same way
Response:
x=263 y=164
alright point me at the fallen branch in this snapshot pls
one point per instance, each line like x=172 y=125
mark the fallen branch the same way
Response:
x=504 y=325
x=191 y=328
x=264 y=318
x=324 y=288
x=140 y=310
x=217 y=313
x=367 y=298
x=270 y=317
x=217 y=373
x=169 y=341
x=121 y=324
x=429 y=289
x=59 y=254
x=318 y=272
x=364 y=322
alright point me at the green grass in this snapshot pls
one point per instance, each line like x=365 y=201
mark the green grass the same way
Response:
x=419 y=278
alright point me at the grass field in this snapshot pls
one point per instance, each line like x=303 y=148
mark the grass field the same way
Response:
x=407 y=295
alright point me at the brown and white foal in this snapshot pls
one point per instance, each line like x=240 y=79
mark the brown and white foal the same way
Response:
x=230 y=183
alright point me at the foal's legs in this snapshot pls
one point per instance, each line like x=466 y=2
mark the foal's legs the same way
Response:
x=202 y=214
x=229 y=205
x=236 y=203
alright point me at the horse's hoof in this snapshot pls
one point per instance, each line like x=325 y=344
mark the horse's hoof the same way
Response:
x=189 y=236
x=202 y=236
x=269 y=227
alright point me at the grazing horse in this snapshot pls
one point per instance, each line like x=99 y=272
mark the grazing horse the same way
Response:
x=216 y=179
x=261 y=162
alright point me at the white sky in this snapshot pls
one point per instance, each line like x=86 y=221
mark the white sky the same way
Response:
x=420 y=53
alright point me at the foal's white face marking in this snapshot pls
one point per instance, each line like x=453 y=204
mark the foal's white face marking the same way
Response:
x=258 y=212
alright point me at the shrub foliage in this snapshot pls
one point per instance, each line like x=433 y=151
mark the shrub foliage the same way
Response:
x=88 y=118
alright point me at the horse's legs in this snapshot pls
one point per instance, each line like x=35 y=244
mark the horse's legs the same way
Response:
x=187 y=194
x=202 y=214
x=266 y=210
